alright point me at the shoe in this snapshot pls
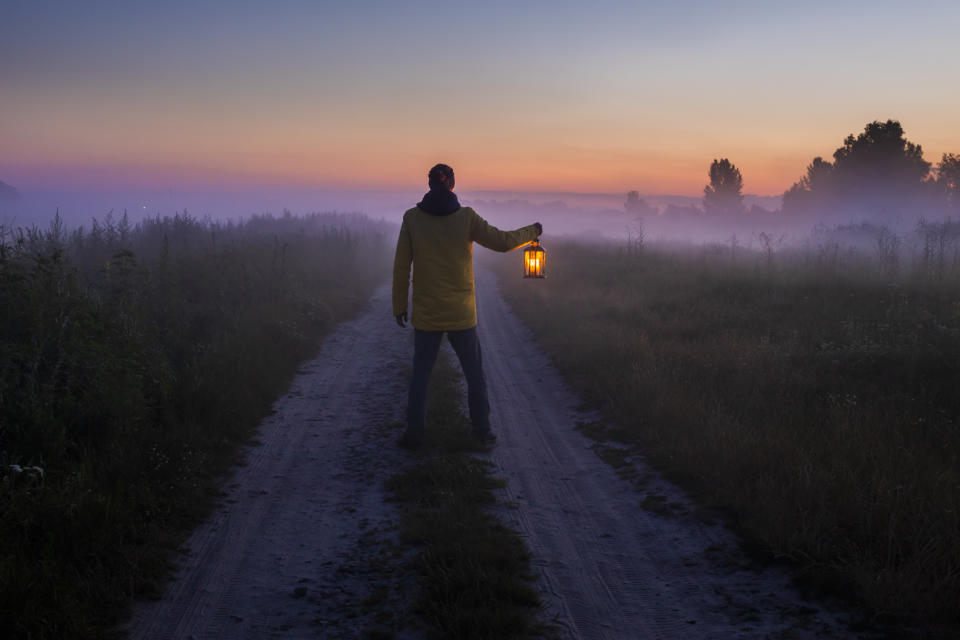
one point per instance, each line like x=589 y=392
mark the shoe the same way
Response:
x=487 y=438
x=409 y=442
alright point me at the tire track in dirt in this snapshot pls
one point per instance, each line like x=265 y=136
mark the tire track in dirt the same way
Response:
x=609 y=568
x=278 y=557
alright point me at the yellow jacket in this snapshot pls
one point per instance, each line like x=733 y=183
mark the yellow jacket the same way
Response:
x=440 y=248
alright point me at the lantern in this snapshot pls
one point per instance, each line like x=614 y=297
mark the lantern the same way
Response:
x=534 y=258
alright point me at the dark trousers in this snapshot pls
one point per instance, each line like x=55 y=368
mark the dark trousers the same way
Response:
x=467 y=347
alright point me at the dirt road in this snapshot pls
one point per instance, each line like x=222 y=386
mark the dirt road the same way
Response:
x=284 y=555
x=288 y=552
x=615 y=562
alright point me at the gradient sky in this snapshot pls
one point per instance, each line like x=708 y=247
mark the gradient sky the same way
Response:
x=565 y=96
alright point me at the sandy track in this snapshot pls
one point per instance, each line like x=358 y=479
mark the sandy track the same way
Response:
x=279 y=557
x=610 y=568
x=283 y=555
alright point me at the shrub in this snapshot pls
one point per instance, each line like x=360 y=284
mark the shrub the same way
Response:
x=133 y=361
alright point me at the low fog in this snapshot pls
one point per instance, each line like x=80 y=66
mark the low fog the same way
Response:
x=154 y=344
x=877 y=185
x=594 y=218
x=590 y=217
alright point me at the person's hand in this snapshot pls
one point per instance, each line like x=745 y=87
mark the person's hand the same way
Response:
x=539 y=228
x=402 y=319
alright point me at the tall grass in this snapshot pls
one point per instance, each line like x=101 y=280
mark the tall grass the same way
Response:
x=811 y=393
x=473 y=572
x=133 y=361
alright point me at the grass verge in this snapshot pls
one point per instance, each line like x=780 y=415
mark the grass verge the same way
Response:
x=816 y=405
x=134 y=360
x=474 y=571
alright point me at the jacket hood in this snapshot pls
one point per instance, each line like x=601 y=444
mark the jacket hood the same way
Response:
x=439 y=202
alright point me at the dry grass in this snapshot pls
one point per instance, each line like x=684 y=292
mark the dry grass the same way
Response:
x=474 y=572
x=818 y=404
x=134 y=360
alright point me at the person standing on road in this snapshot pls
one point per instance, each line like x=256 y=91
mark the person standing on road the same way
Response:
x=437 y=238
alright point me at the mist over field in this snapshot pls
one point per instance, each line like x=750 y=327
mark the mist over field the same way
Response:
x=593 y=217
x=78 y=207
x=878 y=182
x=749 y=325
x=588 y=217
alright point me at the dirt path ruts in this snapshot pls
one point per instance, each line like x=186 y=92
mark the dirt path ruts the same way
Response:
x=278 y=558
x=609 y=567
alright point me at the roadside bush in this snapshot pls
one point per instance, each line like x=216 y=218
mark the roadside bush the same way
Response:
x=815 y=402
x=133 y=362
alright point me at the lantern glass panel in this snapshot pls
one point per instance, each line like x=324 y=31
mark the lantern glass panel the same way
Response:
x=534 y=260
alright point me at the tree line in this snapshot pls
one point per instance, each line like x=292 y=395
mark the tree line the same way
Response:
x=877 y=175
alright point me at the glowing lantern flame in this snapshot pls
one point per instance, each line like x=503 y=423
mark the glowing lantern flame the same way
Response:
x=534 y=260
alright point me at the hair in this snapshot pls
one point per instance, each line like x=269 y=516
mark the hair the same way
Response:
x=441 y=175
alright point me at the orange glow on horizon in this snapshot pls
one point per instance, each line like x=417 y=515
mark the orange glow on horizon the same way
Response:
x=525 y=98
x=284 y=157
x=222 y=140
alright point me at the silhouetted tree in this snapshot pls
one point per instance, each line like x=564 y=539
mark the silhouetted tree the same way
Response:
x=811 y=189
x=881 y=151
x=878 y=173
x=637 y=206
x=818 y=175
x=948 y=180
x=723 y=194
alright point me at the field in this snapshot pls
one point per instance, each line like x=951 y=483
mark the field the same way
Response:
x=473 y=572
x=134 y=359
x=808 y=393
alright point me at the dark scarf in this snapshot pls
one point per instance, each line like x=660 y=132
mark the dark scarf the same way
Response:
x=439 y=202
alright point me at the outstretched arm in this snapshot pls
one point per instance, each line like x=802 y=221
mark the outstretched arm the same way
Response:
x=401 y=274
x=487 y=235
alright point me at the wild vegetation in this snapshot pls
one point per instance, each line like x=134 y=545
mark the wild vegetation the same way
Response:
x=809 y=392
x=877 y=175
x=474 y=572
x=134 y=359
